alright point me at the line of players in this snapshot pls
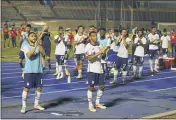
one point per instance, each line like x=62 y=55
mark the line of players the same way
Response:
x=96 y=47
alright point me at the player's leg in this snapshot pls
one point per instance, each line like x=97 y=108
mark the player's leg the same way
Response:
x=156 y=56
x=60 y=61
x=79 y=65
x=27 y=85
x=135 y=61
x=48 y=52
x=141 y=61
x=91 y=78
x=38 y=86
x=5 y=39
x=101 y=82
x=8 y=41
x=124 y=69
x=20 y=61
x=117 y=67
x=13 y=42
x=151 y=57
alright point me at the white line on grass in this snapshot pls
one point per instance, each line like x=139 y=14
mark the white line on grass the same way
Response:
x=86 y=88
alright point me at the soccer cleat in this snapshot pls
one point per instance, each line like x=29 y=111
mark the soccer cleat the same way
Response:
x=92 y=109
x=23 y=110
x=113 y=82
x=67 y=72
x=60 y=76
x=55 y=74
x=100 y=106
x=151 y=70
x=87 y=82
x=134 y=77
x=156 y=71
x=123 y=82
x=38 y=107
x=79 y=76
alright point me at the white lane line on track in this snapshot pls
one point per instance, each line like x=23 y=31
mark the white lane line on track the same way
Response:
x=86 y=88
x=53 y=78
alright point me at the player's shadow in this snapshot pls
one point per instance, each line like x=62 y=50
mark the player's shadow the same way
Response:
x=118 y=101
x=58 y=101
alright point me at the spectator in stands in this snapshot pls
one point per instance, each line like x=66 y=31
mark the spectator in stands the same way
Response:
x=173 y=42
x=13 y=34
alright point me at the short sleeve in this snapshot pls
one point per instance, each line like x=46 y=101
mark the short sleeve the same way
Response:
x=135 y=40
x=87 y=50
x=25 y=49
x=128 y=40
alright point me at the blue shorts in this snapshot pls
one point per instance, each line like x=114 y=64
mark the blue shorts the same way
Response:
x=95 y=79
x=21 y=55
x=6 y=36
x=138 y=60
x=33 y=80
x=60 y=59
x=111 y=52
x=47 y=51
x=121 y=63
x=153 y=54
x=79 y=57
x=164 y=50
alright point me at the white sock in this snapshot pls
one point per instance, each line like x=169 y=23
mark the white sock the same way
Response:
x=134 y=69
x=24 y=98
x=57 y=70
x=37 y=98
x=79 y=72
x=140 y=70
x=99 y=95
x=151 y=64
x=89 y=96
x=115 y=74
x=124 y=74
x=156 y=64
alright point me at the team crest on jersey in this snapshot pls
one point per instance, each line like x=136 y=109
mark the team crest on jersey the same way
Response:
x=27 y=84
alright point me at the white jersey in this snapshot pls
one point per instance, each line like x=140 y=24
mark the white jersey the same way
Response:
x=165 y=41
x=93 y=66
x=151 y=38
x=122 y=51
x=80 y=47
x=60 y=47
x=139 y=49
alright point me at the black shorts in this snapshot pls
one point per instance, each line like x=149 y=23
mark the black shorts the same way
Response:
x=33 y=80
x=21 y=55
x=95 y=79
x=60 y=59
x=138 y=60
x=79 y=57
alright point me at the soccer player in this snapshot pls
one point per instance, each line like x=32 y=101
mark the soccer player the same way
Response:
x=139 y=42
x=122 y=57
x=153 y=49
x=6 y=35
x=23 y=40
x=165 y=41
x=104 y=42
x=13 y=35
x=95 y=71
x=46 y=44
x=32 y=70
x=61 y=48
x=79 y=49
